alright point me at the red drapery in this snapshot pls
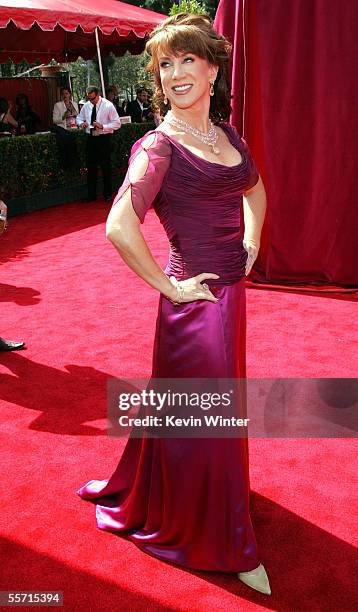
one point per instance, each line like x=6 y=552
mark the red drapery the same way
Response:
x=296 y=100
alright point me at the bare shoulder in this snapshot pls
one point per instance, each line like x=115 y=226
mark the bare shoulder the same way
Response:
x=151 y=138
x=154 y=142
x=163 y=127
x=168 y=130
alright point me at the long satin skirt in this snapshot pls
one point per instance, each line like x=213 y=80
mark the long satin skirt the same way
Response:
x=187 y=500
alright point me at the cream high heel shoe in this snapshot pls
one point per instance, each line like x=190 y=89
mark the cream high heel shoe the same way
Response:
x=256 y=579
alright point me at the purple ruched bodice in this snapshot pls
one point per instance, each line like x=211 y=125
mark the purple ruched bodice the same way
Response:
x=197 y=202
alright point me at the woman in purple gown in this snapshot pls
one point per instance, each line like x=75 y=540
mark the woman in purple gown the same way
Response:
x=187 y=500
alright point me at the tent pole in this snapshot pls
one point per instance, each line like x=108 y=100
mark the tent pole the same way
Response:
x=99 y=61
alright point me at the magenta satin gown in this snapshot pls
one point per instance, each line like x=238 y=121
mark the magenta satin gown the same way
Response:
x=187 y=500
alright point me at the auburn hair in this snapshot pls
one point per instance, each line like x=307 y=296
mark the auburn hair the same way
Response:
x=189 y=33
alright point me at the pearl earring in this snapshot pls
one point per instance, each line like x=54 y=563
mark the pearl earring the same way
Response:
x=165 y=100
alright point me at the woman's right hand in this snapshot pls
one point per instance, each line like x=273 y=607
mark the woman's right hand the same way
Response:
x=194 y=288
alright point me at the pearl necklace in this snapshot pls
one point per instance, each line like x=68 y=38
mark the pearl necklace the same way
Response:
x=210 y=138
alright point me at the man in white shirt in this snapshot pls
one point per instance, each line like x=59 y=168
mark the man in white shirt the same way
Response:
x=100 y=119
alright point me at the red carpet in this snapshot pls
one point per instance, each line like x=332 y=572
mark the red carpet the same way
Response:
x=85 y=317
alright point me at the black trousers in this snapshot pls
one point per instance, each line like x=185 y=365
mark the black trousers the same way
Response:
x=66 y=145
x=98 y=153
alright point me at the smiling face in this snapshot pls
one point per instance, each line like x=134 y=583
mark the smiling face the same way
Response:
x=185 y=78
x=184 y=49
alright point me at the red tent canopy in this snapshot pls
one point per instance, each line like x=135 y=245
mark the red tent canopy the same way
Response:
x=64 y=29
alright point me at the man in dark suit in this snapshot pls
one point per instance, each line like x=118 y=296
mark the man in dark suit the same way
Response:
x=7 y=345
x=137 y=108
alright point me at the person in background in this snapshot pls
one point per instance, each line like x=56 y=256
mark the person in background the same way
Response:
x=6 y=345
x=116 y=91
x=28 y=120
x=116 y=95
x=81 y=103
x=64 y=121
x=148 y=109
x=7 y=121
x=136 y=108
x=123 y=109
x=111 y=96
x=100 y=119
x=65 y=112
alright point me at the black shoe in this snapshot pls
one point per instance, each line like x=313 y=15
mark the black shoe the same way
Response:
x=8 y=345
x=108 y=198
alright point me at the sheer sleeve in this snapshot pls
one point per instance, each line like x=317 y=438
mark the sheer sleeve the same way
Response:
x=148 y=164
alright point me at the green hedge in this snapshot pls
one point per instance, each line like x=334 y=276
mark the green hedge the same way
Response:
x=30 y=164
